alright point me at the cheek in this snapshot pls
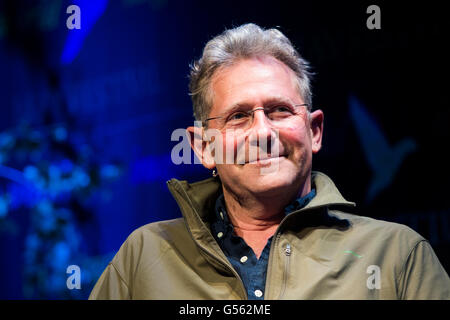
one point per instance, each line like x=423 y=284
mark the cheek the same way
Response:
x=295 y=138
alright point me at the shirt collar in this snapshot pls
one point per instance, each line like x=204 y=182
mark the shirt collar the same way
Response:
x=222 y=216
x=300 y=202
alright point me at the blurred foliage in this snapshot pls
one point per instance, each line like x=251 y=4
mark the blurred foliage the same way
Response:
x=52 y=175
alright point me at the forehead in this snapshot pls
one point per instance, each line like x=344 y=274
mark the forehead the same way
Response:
x=253 y=81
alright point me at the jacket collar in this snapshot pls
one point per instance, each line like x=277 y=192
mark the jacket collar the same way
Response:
x=327 y=194
x=197 y=200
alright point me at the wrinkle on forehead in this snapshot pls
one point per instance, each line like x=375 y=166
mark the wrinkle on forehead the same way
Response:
x=257 y=72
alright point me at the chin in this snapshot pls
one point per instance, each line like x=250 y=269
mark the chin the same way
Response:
x=267 y=178
x=270 y=182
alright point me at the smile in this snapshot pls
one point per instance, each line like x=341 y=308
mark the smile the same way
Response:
x=266 y=160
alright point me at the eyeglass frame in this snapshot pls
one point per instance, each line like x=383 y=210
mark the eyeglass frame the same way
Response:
x=250 y=113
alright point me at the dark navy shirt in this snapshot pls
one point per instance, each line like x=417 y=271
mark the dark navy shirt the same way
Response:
x=251 y=269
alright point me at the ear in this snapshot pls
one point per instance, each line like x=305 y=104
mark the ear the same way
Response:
x=316 y=127
x=199 y=145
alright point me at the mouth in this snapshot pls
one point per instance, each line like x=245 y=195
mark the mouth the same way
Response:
x=265 y=160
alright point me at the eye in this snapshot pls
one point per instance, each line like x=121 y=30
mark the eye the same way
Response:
x=237 y=116
x=279 y=112
x=282 y=109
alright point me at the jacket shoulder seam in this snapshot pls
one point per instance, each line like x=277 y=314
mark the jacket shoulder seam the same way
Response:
x=164 y=246
x=406 y=261
x=120 y=276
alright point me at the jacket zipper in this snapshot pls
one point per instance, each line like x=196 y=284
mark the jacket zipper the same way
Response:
x=277 y=236
x=287 y=253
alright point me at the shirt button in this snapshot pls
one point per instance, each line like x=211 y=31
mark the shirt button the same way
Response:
x=243 y=259
x=258 y=293
x=220 y=234
x=221 y=214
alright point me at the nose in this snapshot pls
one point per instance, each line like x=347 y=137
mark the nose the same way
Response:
x=261 y=128
x=260 y=123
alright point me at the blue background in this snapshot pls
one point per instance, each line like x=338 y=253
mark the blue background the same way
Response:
x=119 y=86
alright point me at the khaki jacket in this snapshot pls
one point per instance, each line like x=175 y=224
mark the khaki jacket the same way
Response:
x=333 y=255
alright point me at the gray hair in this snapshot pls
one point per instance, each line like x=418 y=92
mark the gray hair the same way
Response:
x=245 y=41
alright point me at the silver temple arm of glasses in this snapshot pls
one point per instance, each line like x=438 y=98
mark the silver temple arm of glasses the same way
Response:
x=250 y=112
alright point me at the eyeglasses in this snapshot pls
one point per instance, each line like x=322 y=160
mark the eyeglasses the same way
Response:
x=277 y=115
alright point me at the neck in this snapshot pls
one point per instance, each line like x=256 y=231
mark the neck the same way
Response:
x=256 y=218
x=252 y=212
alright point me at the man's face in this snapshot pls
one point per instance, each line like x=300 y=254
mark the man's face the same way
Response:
x=256 y=83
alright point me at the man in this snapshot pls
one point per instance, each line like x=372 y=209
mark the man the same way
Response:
x=265 y=226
